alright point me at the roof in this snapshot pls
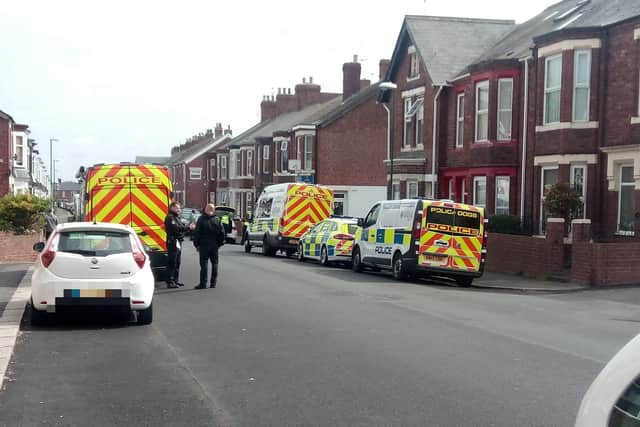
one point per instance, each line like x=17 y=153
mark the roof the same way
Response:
x=197 y=150
x=447 y=45
x=5 y=116
x=68 y=186
x=286 y=121
x=161 y=160
x=360 y=97
x=578 y=14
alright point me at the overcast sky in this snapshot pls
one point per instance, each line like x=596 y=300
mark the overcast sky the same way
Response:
x=112 y=80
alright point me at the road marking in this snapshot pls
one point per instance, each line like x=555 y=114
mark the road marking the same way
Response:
x=10 y=322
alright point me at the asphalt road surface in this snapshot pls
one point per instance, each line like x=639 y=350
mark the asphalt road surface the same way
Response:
x=280 y=343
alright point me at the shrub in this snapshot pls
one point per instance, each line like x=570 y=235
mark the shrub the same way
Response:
x=562 y=201
x=507 y=224
x=22 y=213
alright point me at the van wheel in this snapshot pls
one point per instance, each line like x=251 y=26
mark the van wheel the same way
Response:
x=145 y=317
x=301 y=257
x=324 y=257
x=356 y=264
x=464 y=281
x=399 y=271
x=38 y=318
x=267 y=250
x=247 y=245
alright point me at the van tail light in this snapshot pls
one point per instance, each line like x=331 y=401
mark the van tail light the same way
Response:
x=49 y=254
x=342 y=236
x=416 y=230
x=138 y=254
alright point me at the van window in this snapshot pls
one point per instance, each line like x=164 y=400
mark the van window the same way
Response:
x=453 y=217
x=372 y=216
x=264 y=208
x=390 y=215
x=468 y=219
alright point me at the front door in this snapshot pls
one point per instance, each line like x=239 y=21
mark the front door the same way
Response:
x=549 y=178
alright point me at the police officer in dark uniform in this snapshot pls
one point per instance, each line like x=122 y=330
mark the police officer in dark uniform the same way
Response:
x=175 y=235
x=209 y=235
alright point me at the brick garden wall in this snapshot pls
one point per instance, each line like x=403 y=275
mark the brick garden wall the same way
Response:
x=18 y=248
x=513 y=254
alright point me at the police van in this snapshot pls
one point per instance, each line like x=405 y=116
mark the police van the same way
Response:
x=424 y=238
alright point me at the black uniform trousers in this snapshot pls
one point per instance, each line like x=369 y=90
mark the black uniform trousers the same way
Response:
x=173 y=263
x=208 y=254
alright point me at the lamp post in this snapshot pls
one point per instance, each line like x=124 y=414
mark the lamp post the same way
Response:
x=389 y=86
x=51 y=173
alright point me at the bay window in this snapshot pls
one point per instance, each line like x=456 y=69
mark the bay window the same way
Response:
x=626 y=200
x=480 y=191
x=482 y=111
x=502 y=195
x=460 y=120
x=19 y=151
x=505 y=106
x=552 y=89
x=581 y=85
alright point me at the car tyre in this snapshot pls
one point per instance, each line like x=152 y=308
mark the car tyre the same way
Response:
x=267 y=250
x=464 y=281
x=301 y=257
x=324 y=257
x=247 y=245
x=356 y=263
x=145 y=317
x=38 y=317
x=398 y=268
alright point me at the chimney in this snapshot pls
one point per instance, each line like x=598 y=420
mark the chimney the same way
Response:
x=351 y=78
x=267 y=108
x=227 y=131
x=218 y=131
x=384 y=66
x=307 y=93
x=364 y=83
x=285 y=103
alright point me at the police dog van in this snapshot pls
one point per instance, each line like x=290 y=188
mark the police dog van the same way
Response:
x=423 y=238
x=284 y=213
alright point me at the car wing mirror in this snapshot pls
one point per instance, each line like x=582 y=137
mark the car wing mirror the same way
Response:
x=38 y=247
x=360 y=222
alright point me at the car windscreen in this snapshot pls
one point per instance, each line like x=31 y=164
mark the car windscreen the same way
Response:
x=94 y=242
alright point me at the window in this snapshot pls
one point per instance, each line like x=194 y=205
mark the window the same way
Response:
x=626 y=202
x=250 y=163
x=223 y=199
x=223 y=167
x=258 y=161
x=238 y=166
x=284 y=156
x=265 y=159
x=249 y=203
x=581 y=81
x=414 y=65
x=463 y=190
x=195 y=173
x=420 y=122
x=338 y=203
x=578 y=183
x=505 y=105
x=480 y=191
x=412 y=190
x=460 y=120
x=552 y=88
x=407 y=122
x=19 y=151
x=451 y=189
x=395 y=191
x=502 y=195
x=549 y=179
x=372 y=216
x=482 y=111
x=237 y=201
x=212 y=169
x=212 y=197
x=308 y=152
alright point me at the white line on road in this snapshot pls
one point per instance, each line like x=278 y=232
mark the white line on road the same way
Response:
x=10 y=322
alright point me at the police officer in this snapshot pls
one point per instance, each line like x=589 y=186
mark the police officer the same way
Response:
x=209 y=235
x=175 y=235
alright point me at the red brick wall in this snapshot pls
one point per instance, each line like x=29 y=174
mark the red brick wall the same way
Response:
x=18 y=248
x=513 y=254
x=5 y=155
x=197 y=190
x=606 y=264
x=351 y=150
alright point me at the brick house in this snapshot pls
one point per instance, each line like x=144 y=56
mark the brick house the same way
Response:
x=558 y=93
x=191 y=168
x=6 y=153
x=67 y=191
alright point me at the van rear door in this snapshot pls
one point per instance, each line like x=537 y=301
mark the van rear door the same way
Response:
x=150 y=199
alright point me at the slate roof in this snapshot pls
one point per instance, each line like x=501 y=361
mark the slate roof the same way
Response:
x=446 y=44
x=5 y=116
x=360 y=97
x=161 y=160
x=595 y=13
x=206 y=144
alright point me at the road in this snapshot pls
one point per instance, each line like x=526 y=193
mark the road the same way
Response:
x=281 y=343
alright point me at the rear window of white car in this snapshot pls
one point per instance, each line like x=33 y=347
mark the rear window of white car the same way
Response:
x=94 y=243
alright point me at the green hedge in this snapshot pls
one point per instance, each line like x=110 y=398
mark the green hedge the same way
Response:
x=23 y=213
x=507 y=224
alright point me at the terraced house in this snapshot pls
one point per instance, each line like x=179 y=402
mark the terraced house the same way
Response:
x=493 y=113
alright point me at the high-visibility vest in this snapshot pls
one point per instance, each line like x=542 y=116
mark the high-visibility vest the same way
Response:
x=225 y=219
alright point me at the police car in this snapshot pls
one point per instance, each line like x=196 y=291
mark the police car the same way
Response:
x=329 y=241
x=417 y=237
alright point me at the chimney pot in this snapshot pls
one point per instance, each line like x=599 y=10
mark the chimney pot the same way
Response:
x=289 y=91
x=355 y=58
x=304 y=80
x=311 y=79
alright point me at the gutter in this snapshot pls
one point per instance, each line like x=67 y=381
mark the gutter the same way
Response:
x=434 y=131
x=525 y=118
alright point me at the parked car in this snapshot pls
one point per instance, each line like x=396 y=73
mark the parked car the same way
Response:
x=231 y=222
x=189 y=216
x=329 y=241
x=95 y=266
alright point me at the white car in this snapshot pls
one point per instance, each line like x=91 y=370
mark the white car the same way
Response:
x=86 y=264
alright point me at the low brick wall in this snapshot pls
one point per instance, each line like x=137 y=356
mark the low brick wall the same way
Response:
x=606 y=264
x=18 y=248
x=508 y=253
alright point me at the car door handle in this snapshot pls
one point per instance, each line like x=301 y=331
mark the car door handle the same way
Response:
x=442 y=243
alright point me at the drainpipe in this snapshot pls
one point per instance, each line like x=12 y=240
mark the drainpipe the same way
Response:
x=184 y=184
x=525 y=117
x=389 y=153
x=434 y=170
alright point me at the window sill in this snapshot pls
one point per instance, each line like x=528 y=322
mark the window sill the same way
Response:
x=635 y=120
x=625 y=233
x=566 y=125
x=481 y=144
x=411 y=149
x=413 y=79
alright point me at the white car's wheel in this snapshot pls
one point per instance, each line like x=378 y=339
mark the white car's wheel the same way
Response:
x=145 y=317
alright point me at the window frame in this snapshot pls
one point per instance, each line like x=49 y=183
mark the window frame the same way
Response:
x=223 y=171
x=485 y=112
x=308 y=152
x=191 y=173
x=250 y=162
x=506 y=178
x=414 y=65
x=583 y=196
x=406 y=139
x=283 y=155
x=620 y=185
x=419 y=126
x=18 y=160
x=459 y=120
x=475 y=195
x=548 y=90
x=394 y=186
x=213 y=171
x=502 y=109
x=417 y=188
x=265 y=159
x=577 y=85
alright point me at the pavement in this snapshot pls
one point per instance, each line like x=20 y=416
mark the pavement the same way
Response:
x=10 y=276
x=283 y=343
x=508 y=282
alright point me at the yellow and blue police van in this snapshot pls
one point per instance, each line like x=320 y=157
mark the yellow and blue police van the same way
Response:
x=423 y=238
x=330 y=241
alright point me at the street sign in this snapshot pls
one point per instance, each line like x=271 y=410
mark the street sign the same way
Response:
x=307 y=179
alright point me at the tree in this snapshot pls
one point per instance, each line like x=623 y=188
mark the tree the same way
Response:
x=562 y=201
x=22 y=213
